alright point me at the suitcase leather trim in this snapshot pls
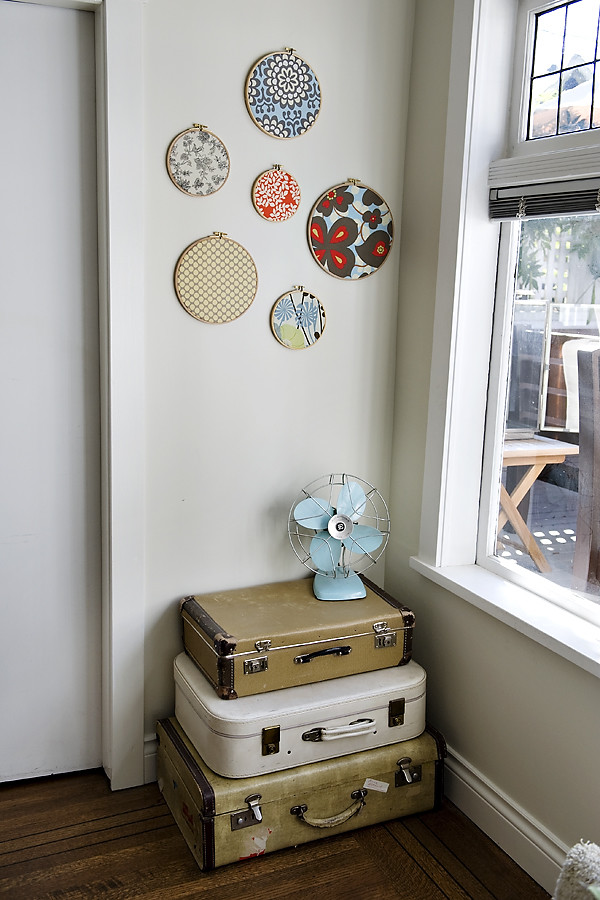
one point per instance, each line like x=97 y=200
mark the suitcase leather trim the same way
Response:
x=442 y=750
x=408 y=616
x=223 y=643
x=205 y=787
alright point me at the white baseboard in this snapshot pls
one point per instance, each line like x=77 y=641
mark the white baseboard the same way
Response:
x=150 y=749
x=532 y=847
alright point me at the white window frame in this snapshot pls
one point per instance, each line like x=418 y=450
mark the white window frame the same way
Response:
x=455 y=465
x=523 y=47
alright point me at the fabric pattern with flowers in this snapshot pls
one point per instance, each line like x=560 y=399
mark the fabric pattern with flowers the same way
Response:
x=276 y=195
x=283 y=95
x=331 y=247
x=297 y=319
x=198 y=162
x=350 y=231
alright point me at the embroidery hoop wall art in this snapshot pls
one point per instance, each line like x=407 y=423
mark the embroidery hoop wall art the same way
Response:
x=283 y=94
x=215 y=279
x=297 y=319
x=276 y=195
x=198 y=162
x=350 y=230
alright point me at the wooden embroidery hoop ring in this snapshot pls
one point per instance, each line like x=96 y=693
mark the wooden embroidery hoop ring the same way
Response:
x=291 y=52
x=356 y=183
x=298 y=288
x=205 y=130
x=279 y=168
x=240 y=307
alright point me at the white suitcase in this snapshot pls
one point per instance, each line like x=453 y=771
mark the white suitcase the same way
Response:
x=298 y=725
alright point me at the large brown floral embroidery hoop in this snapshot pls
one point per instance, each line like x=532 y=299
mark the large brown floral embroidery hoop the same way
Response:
x=350 y=230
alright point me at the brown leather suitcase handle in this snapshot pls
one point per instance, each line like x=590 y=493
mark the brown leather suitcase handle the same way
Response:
x=330 y=651
x=358 y=798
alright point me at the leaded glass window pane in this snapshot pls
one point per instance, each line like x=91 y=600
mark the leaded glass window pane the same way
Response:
x=563 y=73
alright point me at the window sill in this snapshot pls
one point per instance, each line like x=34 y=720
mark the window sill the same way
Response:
x=557 y=629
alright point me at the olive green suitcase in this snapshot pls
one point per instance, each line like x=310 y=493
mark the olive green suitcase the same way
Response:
x=224 y=820
x=252 y=640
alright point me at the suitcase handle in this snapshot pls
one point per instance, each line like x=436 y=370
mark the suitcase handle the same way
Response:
x=358 y=798
x=330 y=651
x=354 y=729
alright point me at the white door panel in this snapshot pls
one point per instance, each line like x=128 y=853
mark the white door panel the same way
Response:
x=49 y=394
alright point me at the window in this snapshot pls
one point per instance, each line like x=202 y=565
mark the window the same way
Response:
x=532 y=187
x=548 y=503
x=562 y=96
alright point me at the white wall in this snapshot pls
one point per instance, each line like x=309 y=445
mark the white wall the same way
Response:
x=236 y=423
x=524 y=721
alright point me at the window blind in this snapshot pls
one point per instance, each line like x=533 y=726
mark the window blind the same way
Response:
x=560 y=198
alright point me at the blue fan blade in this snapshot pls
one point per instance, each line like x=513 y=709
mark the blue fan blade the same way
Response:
x=325 y=551
x=351 y=501
x=313 y=513
x=364 y=539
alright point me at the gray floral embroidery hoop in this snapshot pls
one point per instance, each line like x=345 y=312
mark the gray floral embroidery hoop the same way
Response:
x=198 y=162
x=283 y=94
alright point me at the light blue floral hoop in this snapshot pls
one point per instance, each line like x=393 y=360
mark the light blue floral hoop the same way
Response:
x=283 y=94
x=297 y=319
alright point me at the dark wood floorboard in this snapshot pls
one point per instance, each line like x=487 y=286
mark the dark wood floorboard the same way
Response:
x=71 y=838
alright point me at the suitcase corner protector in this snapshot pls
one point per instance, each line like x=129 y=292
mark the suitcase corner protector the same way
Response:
x=226 y=693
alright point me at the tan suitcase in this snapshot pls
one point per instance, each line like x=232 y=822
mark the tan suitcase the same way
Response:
x=224 y=820
x=251 y=640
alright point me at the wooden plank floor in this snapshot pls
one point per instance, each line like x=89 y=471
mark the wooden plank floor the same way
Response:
x=69 y=837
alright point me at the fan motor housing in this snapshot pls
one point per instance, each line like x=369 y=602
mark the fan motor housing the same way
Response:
x=340 y=526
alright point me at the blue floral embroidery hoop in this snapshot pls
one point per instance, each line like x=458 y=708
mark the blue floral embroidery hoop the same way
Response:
x=350 y=230
x=297 y=319
x=283 y=94
x=198 y=162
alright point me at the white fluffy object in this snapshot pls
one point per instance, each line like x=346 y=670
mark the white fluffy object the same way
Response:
x=580 y=871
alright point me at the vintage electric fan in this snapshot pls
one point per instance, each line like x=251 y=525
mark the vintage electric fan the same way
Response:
x=338 y=526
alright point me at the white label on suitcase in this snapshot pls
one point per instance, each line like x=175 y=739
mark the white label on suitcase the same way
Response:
x=373 y=785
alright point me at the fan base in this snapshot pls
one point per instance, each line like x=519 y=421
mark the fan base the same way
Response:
x=338 y=587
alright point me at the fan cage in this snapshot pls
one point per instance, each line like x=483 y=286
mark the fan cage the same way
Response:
x=326 y=489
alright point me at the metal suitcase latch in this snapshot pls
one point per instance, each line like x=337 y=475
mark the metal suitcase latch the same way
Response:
x=260 y=664
x=270 y=740
x=407 y=774
x=245 y=817
x=261 y=646
x=396 y=712
x=383 y=636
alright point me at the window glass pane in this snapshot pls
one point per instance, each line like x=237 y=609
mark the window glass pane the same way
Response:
x=596 y=112
x=549 y=514
x=575 y=99
x=580 y=34
x=549 y=42
x=544 y=106
x=563 y=69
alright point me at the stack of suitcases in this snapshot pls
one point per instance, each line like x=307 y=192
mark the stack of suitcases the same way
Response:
x=295 y=719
